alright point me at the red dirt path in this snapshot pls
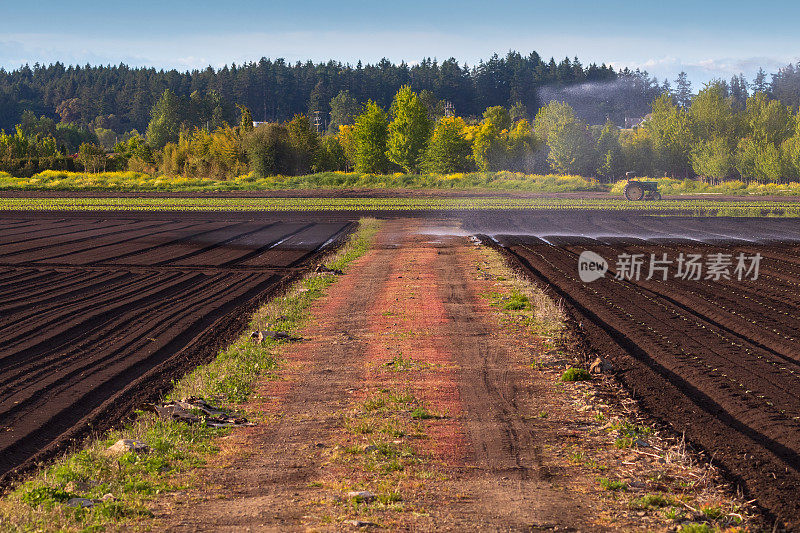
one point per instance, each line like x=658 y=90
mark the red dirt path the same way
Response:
x=418 y=296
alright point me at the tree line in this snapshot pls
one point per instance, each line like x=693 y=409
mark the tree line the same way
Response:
x=734 y=129
x=718 y=136
x=120 y=98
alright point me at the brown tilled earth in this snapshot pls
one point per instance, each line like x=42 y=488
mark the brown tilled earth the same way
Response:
x=97 y=316
x=412 y=386
x=717 y=360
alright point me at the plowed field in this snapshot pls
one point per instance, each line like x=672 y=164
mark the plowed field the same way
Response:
x=98 y=315
x=716 y=359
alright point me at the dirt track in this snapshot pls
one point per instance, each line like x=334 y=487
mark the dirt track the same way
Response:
x=490 y=464
x=718 y=360
x=98 y=316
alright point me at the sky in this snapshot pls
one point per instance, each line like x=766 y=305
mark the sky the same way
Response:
x=707 y=39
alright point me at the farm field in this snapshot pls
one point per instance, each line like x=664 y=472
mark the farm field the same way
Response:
x=98 y=315
x=717 y=360
x=101 y=308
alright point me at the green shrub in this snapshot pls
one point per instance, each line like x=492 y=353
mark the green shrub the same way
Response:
x=45 y=495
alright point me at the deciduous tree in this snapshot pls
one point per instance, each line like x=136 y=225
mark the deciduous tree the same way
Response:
x=449 y=150
x=713 y=158
x=370 y=134
x=409 y=130
x=165 y=121
x=670 y=137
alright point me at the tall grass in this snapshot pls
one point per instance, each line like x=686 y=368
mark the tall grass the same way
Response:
x=136 y=181
x=57 y=180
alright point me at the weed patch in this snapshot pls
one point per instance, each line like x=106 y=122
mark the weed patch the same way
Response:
x=651 y=501
x=611 y=485
x=576 y=374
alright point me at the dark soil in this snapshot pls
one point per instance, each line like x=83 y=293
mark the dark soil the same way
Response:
x=716 y=360
x=99 y=316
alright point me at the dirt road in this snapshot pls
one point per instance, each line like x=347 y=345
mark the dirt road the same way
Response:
x=408 y=387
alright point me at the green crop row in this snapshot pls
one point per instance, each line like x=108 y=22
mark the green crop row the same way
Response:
x=668 y=207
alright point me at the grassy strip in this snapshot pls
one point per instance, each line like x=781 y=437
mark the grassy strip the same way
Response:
x=125 y=483
x=681 y=207
x=137 y=181
x=56 y=180
x=380 y=453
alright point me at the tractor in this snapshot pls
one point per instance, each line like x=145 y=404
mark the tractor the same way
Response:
x=642 y=190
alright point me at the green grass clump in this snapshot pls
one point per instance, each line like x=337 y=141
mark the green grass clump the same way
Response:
x=45 y=495
x=651 y=501
x=421 y=413
x=576 y=374
x=611 y=485
x=401 y=364
x=516 y=302
x=628 y=434
x=712 y=512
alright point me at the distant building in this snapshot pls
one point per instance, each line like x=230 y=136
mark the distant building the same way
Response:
x=257 y=124
x=632 y=123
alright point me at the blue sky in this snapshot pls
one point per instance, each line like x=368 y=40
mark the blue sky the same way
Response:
x=707 y=39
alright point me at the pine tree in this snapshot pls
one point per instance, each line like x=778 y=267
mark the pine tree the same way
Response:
x=738 y=92
x=760 y=82
x=344 y=109
x=683 y=90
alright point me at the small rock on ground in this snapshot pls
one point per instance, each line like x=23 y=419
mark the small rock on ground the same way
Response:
x=80 y=502
x=128 y=445
x=361 y=495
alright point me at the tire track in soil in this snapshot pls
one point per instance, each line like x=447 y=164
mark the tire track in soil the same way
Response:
x=511 y=483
